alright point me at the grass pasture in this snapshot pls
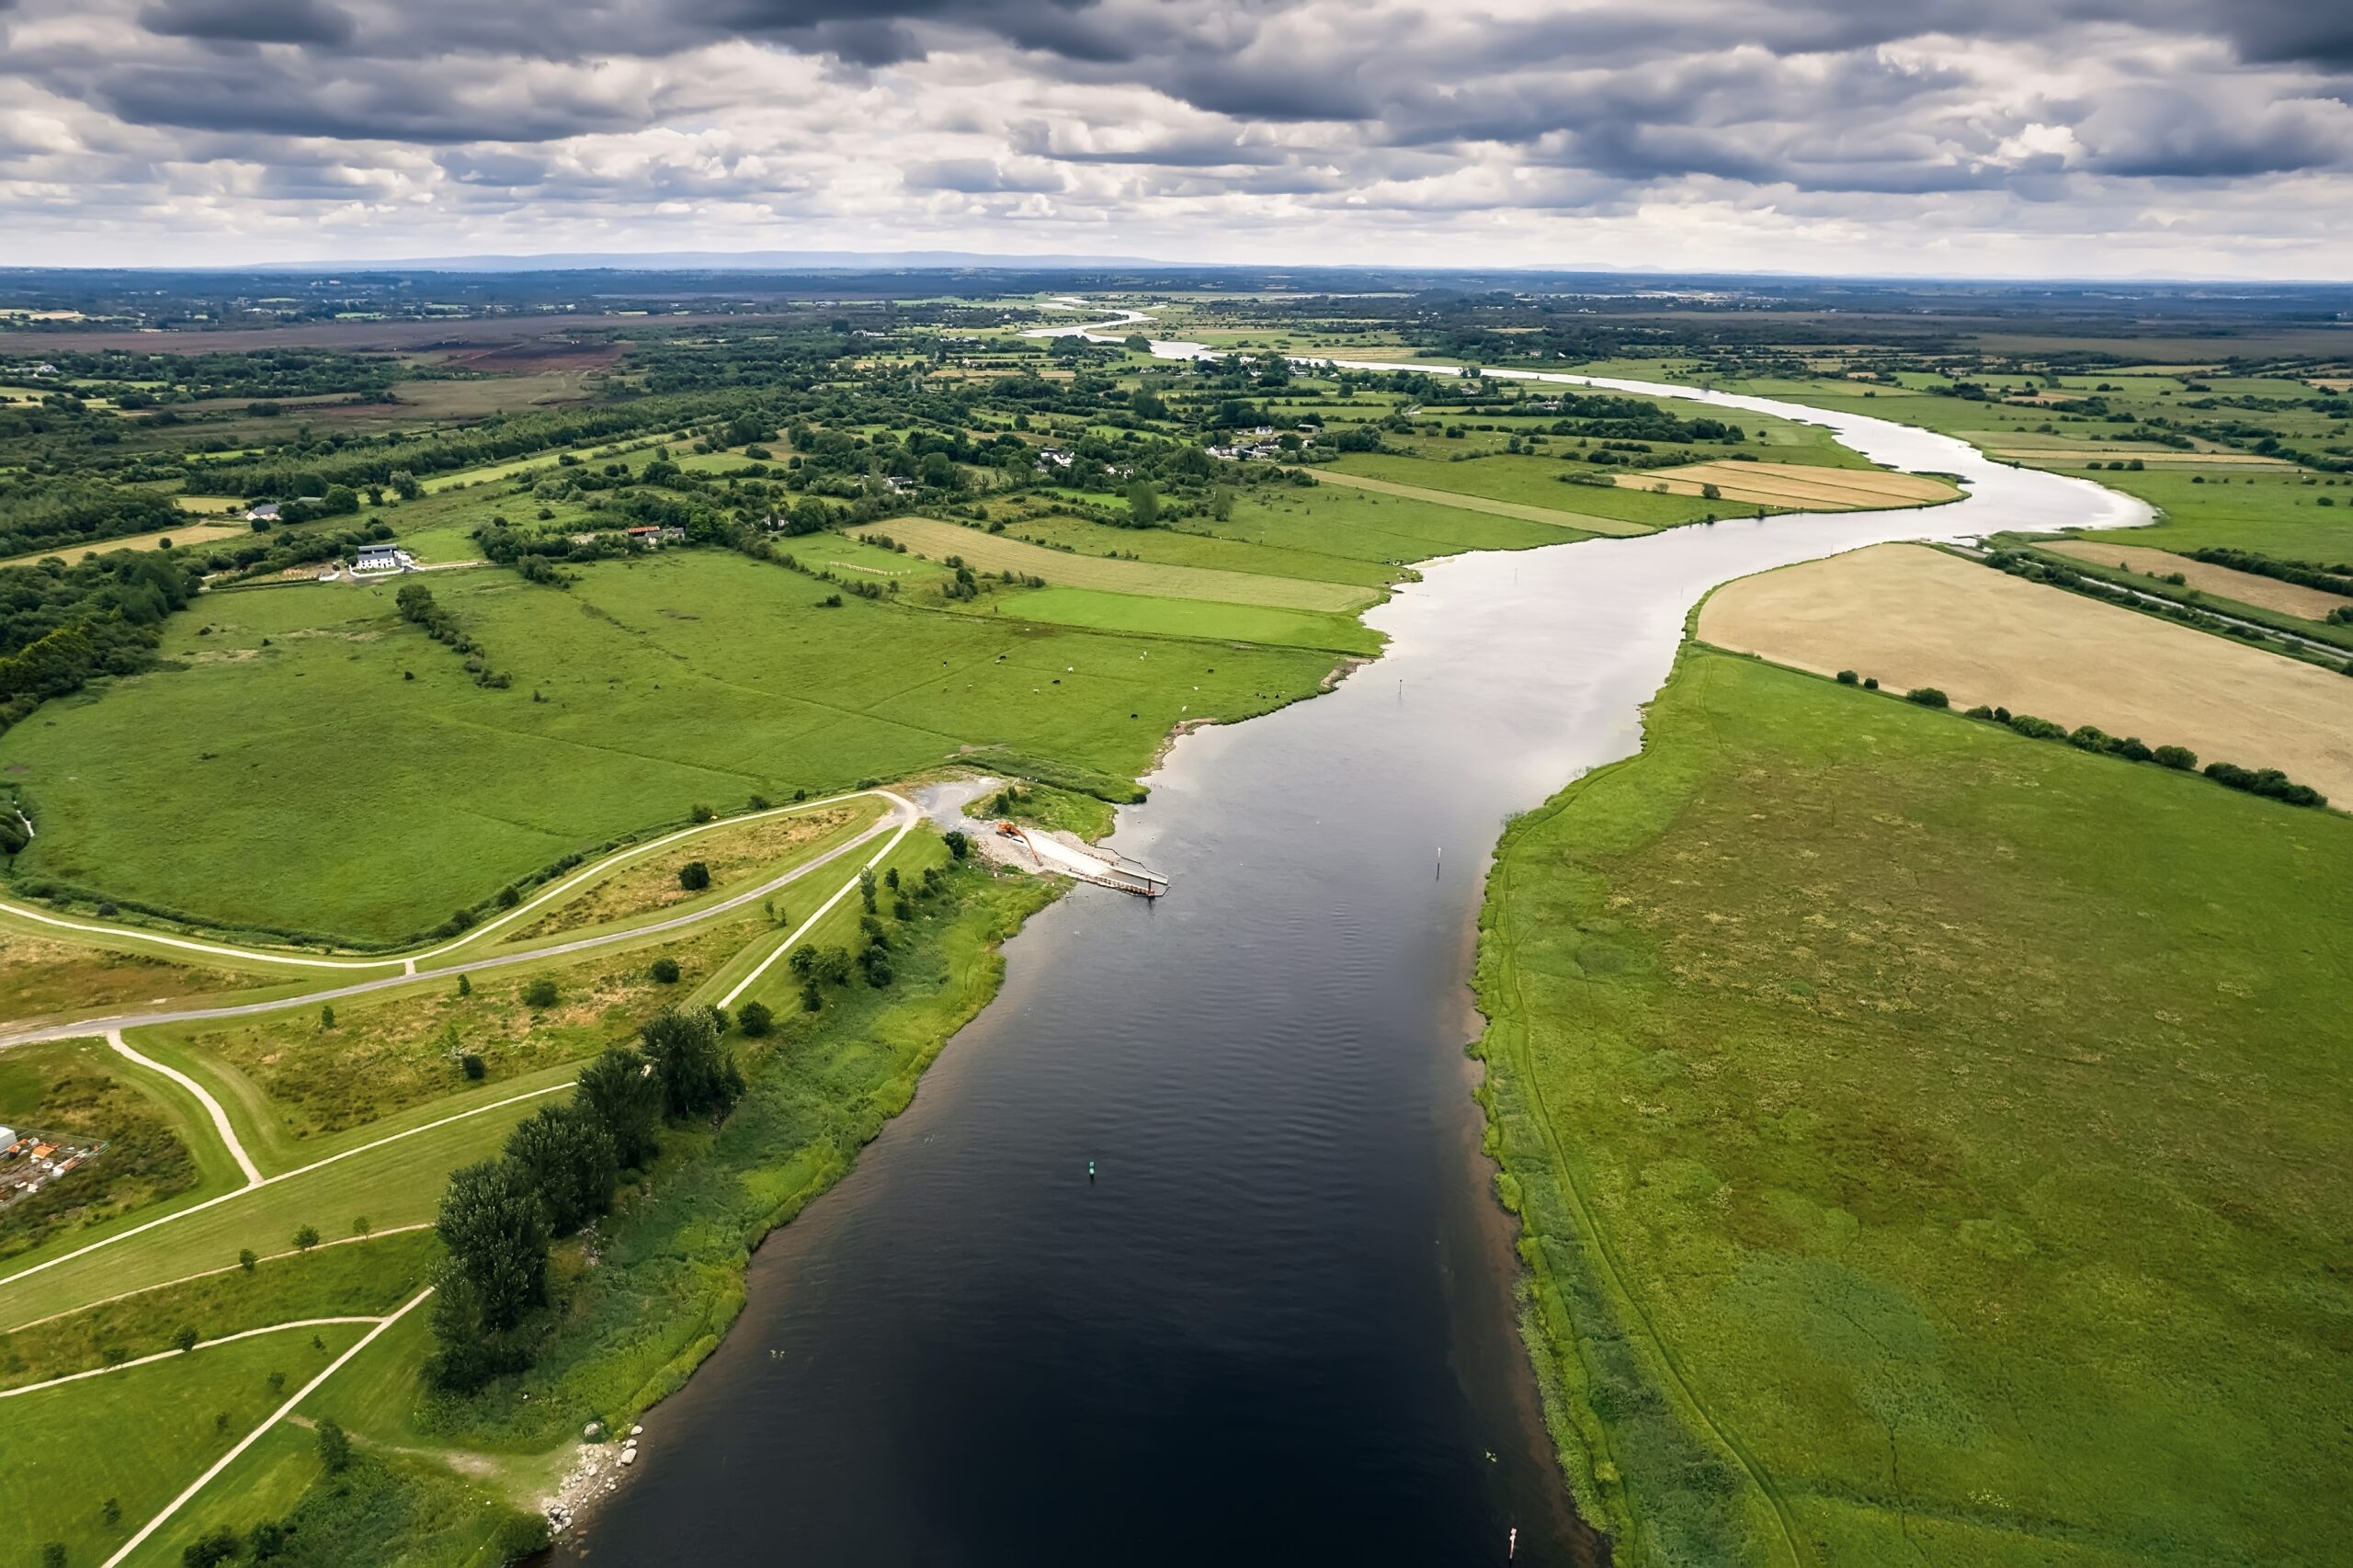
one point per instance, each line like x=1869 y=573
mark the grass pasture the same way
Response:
x=1914 y=616
x=1579 y=524
x=1927 y=1137
x=1140 y=616
x=691 y=678
x=988 y=552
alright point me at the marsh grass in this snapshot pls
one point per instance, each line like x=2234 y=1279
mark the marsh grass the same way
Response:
x=1927 y=1141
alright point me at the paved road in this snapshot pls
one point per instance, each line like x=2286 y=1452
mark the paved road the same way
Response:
x=902 y=815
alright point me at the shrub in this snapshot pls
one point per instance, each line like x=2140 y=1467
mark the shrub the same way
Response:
x=1871 y=682
x=2268 y=782
x=185 y=1340
x=756 y=1020
x=306 y=1238
x=701 y=814
x=247 y=1259
x=1848 y=677
x=1928 y=696
x=694 y=876
x=519 y=1536
x=2036 y=729
x=213 y=1547
x=335 y=1447
x=959 y=845
x=2088 y=737
x=473 y=1067
x=2181 y=757
x=665 y=971
x=540 y=995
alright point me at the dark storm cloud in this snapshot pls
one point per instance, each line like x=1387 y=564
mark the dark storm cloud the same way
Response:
x=250 y=21
x=408 y=105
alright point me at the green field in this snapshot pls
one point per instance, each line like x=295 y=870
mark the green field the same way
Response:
x=1194 y=618
x=692 y=677
x=399 y=1184
x=1929 y=1141
x=1532 y=482
x=995 y=553
x=141 y=1435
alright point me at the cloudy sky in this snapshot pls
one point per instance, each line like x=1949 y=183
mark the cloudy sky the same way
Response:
x=2210 y=138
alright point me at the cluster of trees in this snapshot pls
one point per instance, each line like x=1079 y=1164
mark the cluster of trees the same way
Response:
x=68 y=513
x=558 y=1172
x=259 y=374
x=2268 y=782
x=60 y=625
x=418 y=607
x=309 y=466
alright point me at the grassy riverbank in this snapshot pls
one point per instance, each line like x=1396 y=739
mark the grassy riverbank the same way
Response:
x=1927 y=1141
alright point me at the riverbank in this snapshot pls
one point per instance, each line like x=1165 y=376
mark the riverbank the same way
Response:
x=1835 y=1055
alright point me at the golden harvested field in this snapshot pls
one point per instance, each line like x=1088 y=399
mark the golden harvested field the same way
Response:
x=995 y=553
x=1455 y=498
x=1796 y=484
x=1913 y=615
x=2245 y=586
x=194 y=533
x=2025 y=448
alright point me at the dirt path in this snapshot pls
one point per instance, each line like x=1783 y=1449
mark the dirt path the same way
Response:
x=204 y=1097
x=902 y=816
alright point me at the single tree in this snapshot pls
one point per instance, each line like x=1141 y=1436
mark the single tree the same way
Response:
x=665 y=971
x=306 y=1238
x=694 y=876
x=620 y=1094
x=539 y=994
x=756 y=1020
x=697 y=1073
x=497 y=1240
x=335 y=1447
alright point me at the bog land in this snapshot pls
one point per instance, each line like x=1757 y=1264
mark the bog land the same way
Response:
x=1913 y=1164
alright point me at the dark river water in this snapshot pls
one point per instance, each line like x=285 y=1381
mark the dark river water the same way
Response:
x=1278 y=1324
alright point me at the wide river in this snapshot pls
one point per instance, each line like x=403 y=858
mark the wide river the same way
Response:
x=1278 y=1324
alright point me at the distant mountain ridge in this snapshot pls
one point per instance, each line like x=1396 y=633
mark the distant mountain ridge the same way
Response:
x=705 y=261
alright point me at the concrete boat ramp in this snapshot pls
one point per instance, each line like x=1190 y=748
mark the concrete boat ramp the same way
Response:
x=1032 y=848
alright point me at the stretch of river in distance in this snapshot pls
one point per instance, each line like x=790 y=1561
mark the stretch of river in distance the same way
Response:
x=1278 y=1324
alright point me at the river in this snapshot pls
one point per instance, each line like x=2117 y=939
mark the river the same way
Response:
x=1278 y=1324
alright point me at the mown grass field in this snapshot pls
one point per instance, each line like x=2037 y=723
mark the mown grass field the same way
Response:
x=1131 y=613
x=141 y=1435
x=695 y=678
x=398 y=1184
x=1929 y=1140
